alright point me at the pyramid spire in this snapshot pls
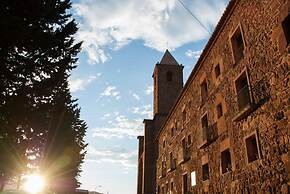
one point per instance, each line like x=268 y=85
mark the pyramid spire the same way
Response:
x=168 y=59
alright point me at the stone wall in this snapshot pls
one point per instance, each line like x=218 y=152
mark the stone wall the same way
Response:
x=266 y=63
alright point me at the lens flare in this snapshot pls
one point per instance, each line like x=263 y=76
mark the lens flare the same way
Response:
x=34 y=183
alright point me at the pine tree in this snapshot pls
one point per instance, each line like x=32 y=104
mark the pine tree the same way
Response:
x=37 y=53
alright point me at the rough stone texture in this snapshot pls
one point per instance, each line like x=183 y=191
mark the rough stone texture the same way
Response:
x=266 y=62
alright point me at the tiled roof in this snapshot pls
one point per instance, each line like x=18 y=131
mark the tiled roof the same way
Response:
x=168 y=59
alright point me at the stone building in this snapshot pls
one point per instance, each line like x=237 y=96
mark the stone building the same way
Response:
x=227 y=129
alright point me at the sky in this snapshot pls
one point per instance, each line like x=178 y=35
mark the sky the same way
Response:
x=123 y=40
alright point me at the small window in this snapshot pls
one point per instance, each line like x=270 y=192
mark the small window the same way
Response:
x=205 y=130
x=286 y=28
x=217 y=70
x=193 y=178
x=163 y=190
x=219 y=110
x=184 y=116
x=185 y=184
x=172 y=132
x=171 y=186
x=169 y=76
x=252 y=148
x=183 y=144
x=203 y=90
x=243 y=91
x=205 y=172
x=226 y=161
x=164 y=143
x=189 y=139
x=238 y=45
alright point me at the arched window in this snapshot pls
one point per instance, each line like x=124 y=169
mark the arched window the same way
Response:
x=169 y=76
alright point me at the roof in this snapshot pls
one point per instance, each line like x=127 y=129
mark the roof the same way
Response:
x=168 y=59
x=227 y=13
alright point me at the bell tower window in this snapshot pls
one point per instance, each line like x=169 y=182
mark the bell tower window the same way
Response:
x=169 y=76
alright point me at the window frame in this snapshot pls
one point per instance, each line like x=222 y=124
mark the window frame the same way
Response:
x=219 y=112
x=202 y=172
x=286 y=31
x=231 y=162
x=255 y=134
x=220 y=72
x=204 y=93
x=245 y=70
x=231 y=35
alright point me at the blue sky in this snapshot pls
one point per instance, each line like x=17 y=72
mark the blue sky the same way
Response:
x=123 y=40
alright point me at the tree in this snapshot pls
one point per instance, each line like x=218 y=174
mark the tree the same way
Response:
x=65 y=145
x=37 y=53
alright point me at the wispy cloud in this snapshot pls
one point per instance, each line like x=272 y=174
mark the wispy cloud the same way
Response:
x=149 y=90
x=121 y=127
x=80 y=84
x=145 y=110
x=107 y=25
x=111 y=91
x=193 y=54
x=136 y=96
x=116 y=155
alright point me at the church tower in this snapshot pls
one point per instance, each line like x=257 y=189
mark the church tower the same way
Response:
x=168 y=83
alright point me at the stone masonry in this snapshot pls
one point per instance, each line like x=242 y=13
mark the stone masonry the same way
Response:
x=227 y=129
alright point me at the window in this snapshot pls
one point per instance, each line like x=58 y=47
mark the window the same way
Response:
x=172 y=131
x=226 y=162
x=286 y=28
x=204 y=124
x=205 y=172
x=189 y=139
x=252 y=148
x=172 y=162
x=217 y=70
x=243 y=92
x=163 y=168
x=237 y=45
x=185 y=190
x=164 y=143
x=193 y=178
x=219 y=110
x=163 y=189
x=171 y=186
x=183 y=143
x=169 y=76
x=203 y=90
x=185 y=151
x=184 y=116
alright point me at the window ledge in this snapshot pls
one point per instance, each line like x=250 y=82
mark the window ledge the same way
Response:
x=171 y=170
x=244 y=112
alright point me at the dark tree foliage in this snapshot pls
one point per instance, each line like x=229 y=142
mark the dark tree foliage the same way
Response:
x=37 y=114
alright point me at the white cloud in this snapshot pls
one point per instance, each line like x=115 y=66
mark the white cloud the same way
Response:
x=123 y=157
x=136 y=96
x=80 y=84
x=111 y=91
x=121 y=127
x=193 y=54
x=109 y=25
x=149 y=90
x=145 y=110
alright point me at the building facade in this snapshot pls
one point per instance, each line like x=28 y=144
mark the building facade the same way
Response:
x=227 y=129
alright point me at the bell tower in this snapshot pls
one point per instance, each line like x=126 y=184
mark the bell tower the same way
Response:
x=168 y=83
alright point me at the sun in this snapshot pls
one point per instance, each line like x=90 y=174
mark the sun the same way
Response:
x=34 y=183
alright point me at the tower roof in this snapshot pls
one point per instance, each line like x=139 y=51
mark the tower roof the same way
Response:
x=168 y=59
